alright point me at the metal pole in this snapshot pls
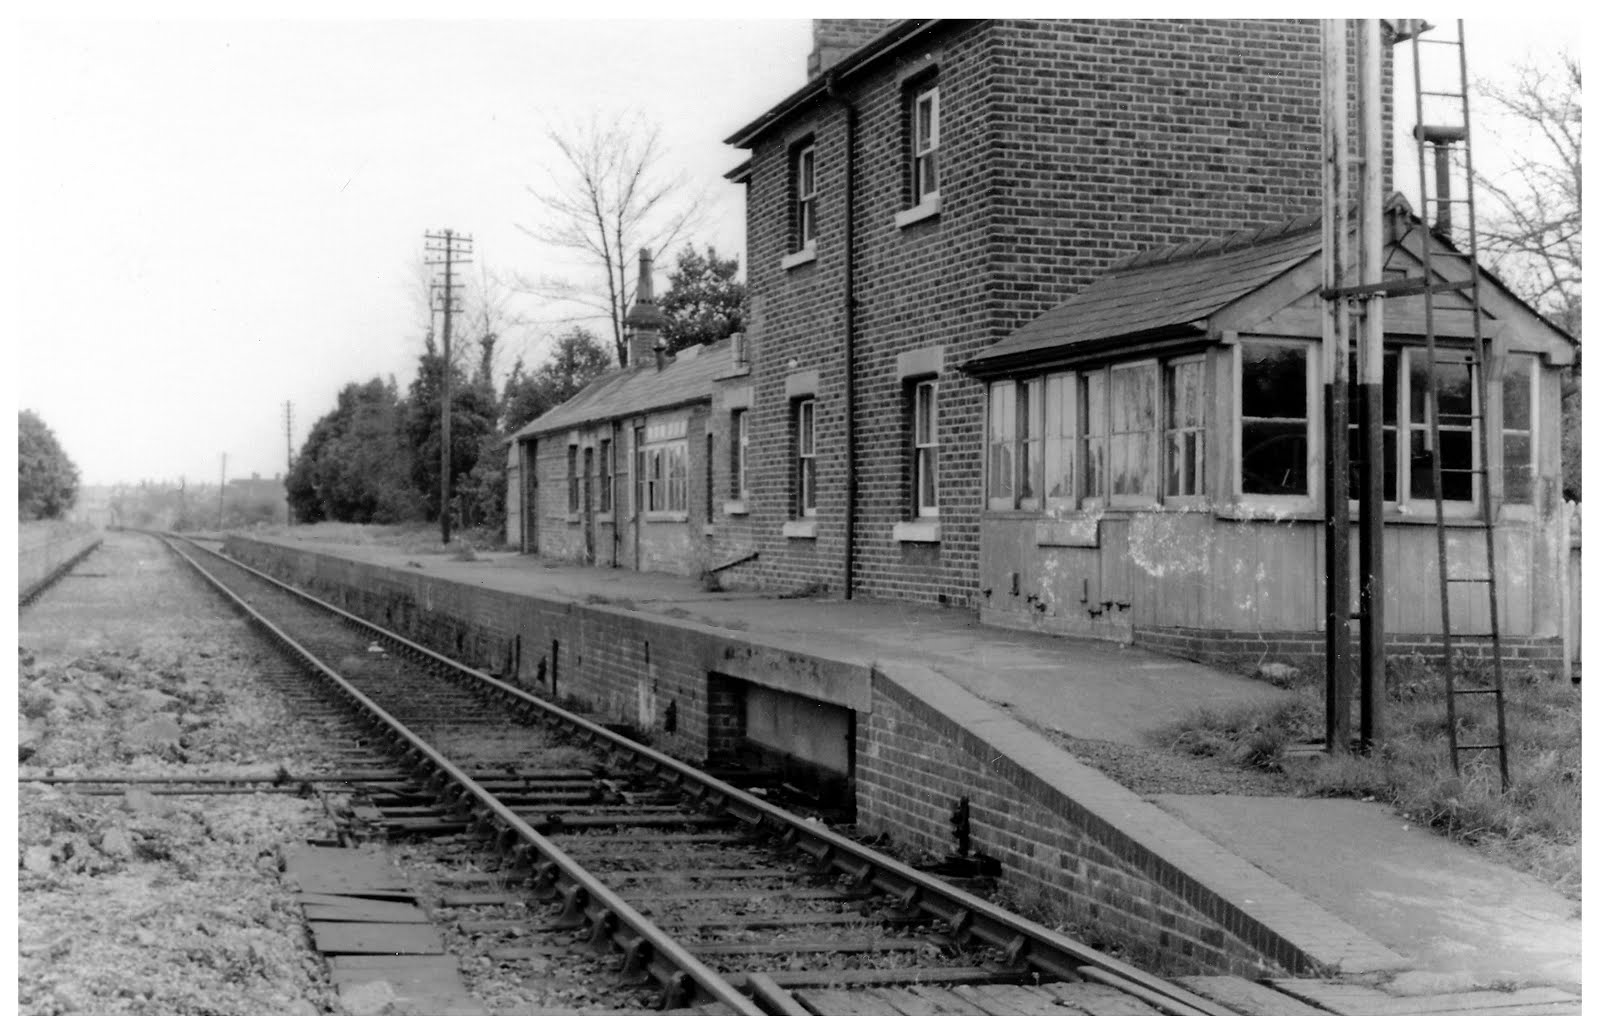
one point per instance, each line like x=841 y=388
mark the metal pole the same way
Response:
x=1369 y=374
x=222 y=485
x=1335 y=346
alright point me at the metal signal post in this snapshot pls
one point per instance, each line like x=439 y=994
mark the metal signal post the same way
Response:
x=445 y=248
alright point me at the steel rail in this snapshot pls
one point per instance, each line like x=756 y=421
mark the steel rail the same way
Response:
x=680 y=973
x=970 y=917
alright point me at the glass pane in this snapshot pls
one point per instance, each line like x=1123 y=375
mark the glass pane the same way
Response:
x=1000 y=469
x=925 y=414
x=1516 y=394
x=927 y=477
x=1518 y=472
x=924 y=122
x=1421 y=466
x=1455 y=457
x=1272 y=457
x=1060 y=440
x=1272 y=381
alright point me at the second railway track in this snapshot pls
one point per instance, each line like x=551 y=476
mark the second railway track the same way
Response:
x=708 y=893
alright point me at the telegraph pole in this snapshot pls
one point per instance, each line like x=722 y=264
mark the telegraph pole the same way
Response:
x=288 y=453
x=222 y=486
x=445 y=248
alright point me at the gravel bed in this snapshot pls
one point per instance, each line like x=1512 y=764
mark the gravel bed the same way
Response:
x=140 y=903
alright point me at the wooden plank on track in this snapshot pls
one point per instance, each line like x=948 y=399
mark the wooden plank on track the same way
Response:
x=1007 y=1001
x=421 y=985
x=1246 y=997
x=334 y=937
x=1096 y=999
x=354 y=908
x=905 y=1001
x=841 y=1002
x=945 y=1002
x=463 y=899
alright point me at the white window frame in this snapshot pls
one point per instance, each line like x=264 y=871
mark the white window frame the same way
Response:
x=665 y=460
x=925 y=147
x=1411 y=424
x=1151 y=436
x=1000 y=416
x=805 y=197
x=805 y=452
x=1185 y=442
x=1532 y=432
x=925 y=448
x=739 y=426
x=1312 y=420
x=1063 y=439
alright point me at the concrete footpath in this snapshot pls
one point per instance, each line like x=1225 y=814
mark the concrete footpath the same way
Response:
x=1441 y=919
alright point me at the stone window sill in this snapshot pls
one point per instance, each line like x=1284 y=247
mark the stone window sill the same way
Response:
x=666 y=516
x=923 y=530
x=802 y=529
x=736 y=507
x=926 y=210
x=807 y=254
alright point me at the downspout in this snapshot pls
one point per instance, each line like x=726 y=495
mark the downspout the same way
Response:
x=849 y=337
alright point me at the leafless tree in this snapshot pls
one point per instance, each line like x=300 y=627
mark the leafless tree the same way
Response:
x=1531 y=230
x=608 y=198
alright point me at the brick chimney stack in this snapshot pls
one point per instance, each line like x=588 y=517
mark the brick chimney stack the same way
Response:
x=644 y=320
x=835 y=38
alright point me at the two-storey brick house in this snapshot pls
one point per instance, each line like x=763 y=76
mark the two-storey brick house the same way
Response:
x=934 y=186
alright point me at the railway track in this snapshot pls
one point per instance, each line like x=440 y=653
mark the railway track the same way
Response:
x=708 y=892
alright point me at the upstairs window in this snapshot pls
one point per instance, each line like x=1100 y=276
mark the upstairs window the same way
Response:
x=805 y=448
x=925 y=145
x=925 y=448
x=1274 y=427
x=805 y=198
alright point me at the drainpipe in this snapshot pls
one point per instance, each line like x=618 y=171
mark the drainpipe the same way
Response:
x=849 y=336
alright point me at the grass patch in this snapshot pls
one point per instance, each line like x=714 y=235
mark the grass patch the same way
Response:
x=412 y=538
x=1535 y=826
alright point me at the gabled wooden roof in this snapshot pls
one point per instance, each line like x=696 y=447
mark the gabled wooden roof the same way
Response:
x=687 y=378
x=1176 y=293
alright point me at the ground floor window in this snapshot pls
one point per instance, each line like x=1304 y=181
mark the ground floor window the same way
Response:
x=925 y=448
x=572 y=479
x=1274 y=420
x=738 y=446
x=805 y=440
x=665 y=457
x=606 y=464
x=1121 y=435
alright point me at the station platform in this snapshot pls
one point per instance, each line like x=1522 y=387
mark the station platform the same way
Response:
x=1404 y=910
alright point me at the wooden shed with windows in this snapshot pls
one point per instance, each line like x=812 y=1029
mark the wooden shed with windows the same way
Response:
x=1153 y=454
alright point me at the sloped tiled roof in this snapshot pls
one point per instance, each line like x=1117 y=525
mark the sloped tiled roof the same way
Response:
x=686 y=378
x=1175 y=288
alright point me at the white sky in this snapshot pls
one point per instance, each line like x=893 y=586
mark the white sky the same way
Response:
x=211 y=218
